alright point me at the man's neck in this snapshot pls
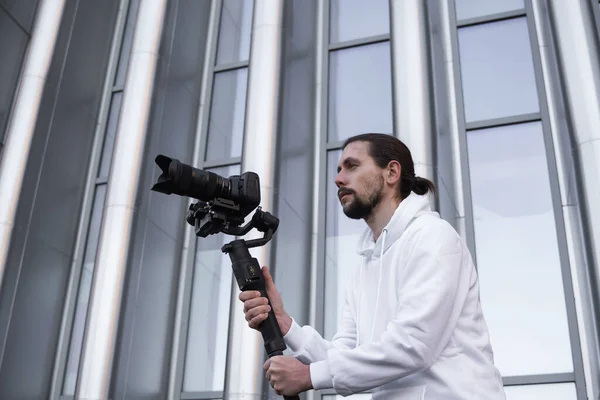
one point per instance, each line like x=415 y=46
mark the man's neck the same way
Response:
x=381 y=215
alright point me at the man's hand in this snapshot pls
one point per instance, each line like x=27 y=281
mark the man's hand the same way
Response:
x=287 y=375
x=256 y=308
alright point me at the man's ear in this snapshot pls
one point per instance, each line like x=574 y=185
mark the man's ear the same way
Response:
x=393 y=172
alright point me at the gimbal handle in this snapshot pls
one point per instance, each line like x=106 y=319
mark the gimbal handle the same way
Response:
x=249 y=276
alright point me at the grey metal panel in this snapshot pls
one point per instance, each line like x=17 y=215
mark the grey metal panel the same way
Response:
x=23 y=12
x=63 y=139
x=12 y=47
x=143 y=356
x=111 y=262
x=243 y=377
x=84 y=249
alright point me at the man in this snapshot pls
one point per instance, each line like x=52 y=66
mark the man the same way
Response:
x=412 y=325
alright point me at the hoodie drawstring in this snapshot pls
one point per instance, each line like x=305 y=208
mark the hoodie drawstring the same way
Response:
x=379 y=282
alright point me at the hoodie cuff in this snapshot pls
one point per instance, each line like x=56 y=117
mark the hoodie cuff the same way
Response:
x=320 y=376
x=294 y=338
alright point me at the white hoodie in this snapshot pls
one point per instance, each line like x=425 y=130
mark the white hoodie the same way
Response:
x=412 y=326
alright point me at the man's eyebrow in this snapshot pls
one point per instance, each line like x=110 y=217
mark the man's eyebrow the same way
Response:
x=348 y=161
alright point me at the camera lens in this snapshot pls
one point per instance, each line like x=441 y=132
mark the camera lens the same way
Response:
x=185 y=180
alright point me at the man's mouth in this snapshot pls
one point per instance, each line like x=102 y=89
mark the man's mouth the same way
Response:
x=342 y=193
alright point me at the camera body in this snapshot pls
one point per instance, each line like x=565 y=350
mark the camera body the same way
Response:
x=223 y=203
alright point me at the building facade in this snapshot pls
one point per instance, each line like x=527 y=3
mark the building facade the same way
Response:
x=105 y=290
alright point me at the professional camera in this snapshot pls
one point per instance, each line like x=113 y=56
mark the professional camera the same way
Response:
x=224 y=202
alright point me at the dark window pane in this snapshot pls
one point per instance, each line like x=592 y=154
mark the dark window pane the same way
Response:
x=209 y=311
x=227 y=113
x=342 y=234
x=478 y=8
x=360 y=91
x=517 y=250
x=497 y=70
x=234 y=31
x=356 y=19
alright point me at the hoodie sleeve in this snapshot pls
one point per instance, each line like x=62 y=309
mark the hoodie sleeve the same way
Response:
x=308 y=346
x=434 y=289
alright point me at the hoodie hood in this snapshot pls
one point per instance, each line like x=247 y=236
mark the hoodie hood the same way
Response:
x=408 y=209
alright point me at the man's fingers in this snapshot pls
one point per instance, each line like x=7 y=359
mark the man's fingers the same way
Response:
x=255 y=322
x=256 y=311
x=256 y=302
x=249 y=294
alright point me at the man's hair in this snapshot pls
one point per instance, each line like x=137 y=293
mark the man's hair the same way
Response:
x=385 y=148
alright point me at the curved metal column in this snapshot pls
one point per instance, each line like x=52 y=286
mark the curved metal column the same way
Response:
x=244 y=375
x=579 y=63
x=113 y=247
x=24 y=117
x=452 y=123
x=411 y=82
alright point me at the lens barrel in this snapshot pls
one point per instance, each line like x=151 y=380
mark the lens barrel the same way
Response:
x=185 y=180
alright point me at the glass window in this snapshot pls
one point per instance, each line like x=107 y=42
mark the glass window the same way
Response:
x=235 y=31
x=127 y=42
x=478 y=8
x=360 y=91
x=340 y=263
x=555 y=391
x=209 y=311
x=517 y=250
x=227 y=113
x=85 y=285
x=111 y=133
x=497 y=70
x=356 y=19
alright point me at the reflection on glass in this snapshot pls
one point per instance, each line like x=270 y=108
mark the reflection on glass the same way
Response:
x=209 y=311
x=340 y=258
x=85 y=285
x=227 y=113
x=357 y=19
x=360 y=91
x=517 y=250
x=109 y=136
x=478 y=8
x=234 y=31
x=554 y=391
x=497 y=70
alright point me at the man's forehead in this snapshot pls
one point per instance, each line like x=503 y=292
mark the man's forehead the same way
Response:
x=358 y=150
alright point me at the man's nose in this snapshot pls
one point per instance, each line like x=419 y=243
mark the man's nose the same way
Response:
x=339 y=180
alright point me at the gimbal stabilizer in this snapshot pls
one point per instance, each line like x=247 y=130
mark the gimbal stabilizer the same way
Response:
x=223 y=205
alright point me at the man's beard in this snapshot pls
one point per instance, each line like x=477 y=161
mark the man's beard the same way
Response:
x=359 y=208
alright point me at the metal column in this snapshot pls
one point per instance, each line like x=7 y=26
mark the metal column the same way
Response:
x=244 y=375
x=22 y=122
x=576 y=47
x=113 y=248
x=411 y=82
